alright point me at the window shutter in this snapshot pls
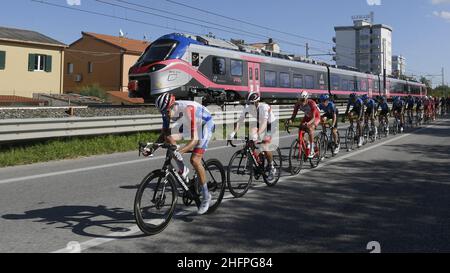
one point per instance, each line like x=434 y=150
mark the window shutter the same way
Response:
x=31 y=62
x=2 y=59
x=48 y=63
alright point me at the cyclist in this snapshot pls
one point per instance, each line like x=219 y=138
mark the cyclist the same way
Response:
x=330 y=116
x=357 y=113
x=398 y=109
x=383 y=104
x=443 y=110
x=311 y=119
x=266 y=123
x=193 y=122
x=410 y=102
x=426 y=105
x=371 y=106
x=419 y=108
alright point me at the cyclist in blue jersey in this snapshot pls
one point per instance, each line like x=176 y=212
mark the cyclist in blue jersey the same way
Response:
x=192 y=122
x=398 y=110
x=410 y=102
x=330 y=116
x=384 y=113
x=357 y=113
x=371 y=107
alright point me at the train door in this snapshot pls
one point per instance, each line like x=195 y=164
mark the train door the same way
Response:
x=254 y=76
x=370 y=87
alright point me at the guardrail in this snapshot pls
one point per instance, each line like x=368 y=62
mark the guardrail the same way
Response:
x=29 y=129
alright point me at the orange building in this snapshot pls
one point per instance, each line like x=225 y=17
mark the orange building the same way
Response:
x=103 y=60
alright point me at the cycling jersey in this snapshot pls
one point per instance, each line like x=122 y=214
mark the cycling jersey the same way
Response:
x=419 y=104
x=410 y=103
x=263 y=112
x=370 y=105
x=329 y=110
x=384 y=107
x=358 y=107
x=193 y=121
x=398 y=105
x=311 y=111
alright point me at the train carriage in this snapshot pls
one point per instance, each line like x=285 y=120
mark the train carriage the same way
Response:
x=220 y=71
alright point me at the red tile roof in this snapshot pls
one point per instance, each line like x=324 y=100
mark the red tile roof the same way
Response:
x=8 y=100
x=123 y=96
x=129 y=45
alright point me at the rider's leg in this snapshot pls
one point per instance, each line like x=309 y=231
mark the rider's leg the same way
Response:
x=172 y=140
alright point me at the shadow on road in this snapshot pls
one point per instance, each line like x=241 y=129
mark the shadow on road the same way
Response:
x=82 y=220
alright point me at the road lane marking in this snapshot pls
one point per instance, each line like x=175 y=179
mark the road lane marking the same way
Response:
x=135 y=229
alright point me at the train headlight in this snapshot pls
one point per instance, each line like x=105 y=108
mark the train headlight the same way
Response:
x=133 y=85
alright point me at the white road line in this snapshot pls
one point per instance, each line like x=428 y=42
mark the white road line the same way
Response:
x=112 y=165
x=135 y=229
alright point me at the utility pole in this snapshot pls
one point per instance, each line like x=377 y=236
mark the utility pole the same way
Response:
x=384 y=64
x=443 y=79
x=307 y=50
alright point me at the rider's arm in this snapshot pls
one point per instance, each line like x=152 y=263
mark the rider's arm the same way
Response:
x=240 y=120
x=294 y=114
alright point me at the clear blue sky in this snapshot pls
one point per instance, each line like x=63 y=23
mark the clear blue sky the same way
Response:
x=421 y=27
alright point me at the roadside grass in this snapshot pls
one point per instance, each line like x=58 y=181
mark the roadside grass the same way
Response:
x=70 y=148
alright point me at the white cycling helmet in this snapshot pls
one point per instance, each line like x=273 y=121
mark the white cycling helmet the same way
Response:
x=304 y=95
x=164 y=101
x=253 y=97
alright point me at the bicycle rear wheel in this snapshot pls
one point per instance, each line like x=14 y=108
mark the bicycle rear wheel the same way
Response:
x=349 y=139
x=296 y=158
x=323 y=142
x=215 y=175
x=155 y=202
x=314 y=162
x=240 y=173
x=277 y=163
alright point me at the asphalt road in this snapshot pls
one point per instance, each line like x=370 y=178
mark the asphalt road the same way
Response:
x=395 y=192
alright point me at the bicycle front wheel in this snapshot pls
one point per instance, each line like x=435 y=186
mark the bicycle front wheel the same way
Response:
x=240 y=174
x=215 y=175
x=349 y=139
x=296 y=158
x=155 y=202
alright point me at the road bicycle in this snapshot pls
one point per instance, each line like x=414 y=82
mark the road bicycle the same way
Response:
x=369 y=132
x=351 y=137
x=327 y=140
x=396 y=129
x=157 y=195
x=299 y=151
x=383 y=128
x=249 y=164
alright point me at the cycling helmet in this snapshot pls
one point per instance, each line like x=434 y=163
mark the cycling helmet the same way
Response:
x=353 y=96
x=304 y=95
x=164 y=102
x=365 y=97
x=253 y=97
x=324 y=97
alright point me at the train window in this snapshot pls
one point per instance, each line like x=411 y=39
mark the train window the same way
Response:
x=285 y=80
x=351 y=86
x=270 y=78
x=298 y=81
x=335 y=82
x=257 y=74
x=345 y=85
x=219 y=67
x=309 y=82
x=158 y=51
x=363 y=85
x=237 y=68
x=250 y=73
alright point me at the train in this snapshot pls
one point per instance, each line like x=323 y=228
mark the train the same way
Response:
x=220 y=71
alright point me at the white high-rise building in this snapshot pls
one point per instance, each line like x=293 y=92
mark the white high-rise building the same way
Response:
x=398 y=65
x=364 y=46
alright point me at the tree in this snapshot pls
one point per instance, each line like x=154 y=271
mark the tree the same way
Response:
x=441 y=91
x=426 y=81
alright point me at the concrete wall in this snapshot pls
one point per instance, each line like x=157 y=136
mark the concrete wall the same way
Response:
x=128 y=61
x=15 y=79
x=345 y=47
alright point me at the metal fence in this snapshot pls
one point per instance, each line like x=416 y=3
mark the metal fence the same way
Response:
x=30 y=129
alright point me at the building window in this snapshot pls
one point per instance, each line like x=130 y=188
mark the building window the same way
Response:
x=70 y=68
x=237 y=68
x=219 y=67
x=2 y=60
x=90 y=67
x=38 y=62
x=270 y=78
x=298 y=81
x=285 y=80
x=309 y=82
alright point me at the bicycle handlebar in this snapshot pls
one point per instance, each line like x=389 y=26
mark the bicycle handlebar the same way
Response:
x=150 y=148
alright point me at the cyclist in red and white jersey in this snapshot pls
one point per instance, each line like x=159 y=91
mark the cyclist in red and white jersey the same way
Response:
x=311 y=119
